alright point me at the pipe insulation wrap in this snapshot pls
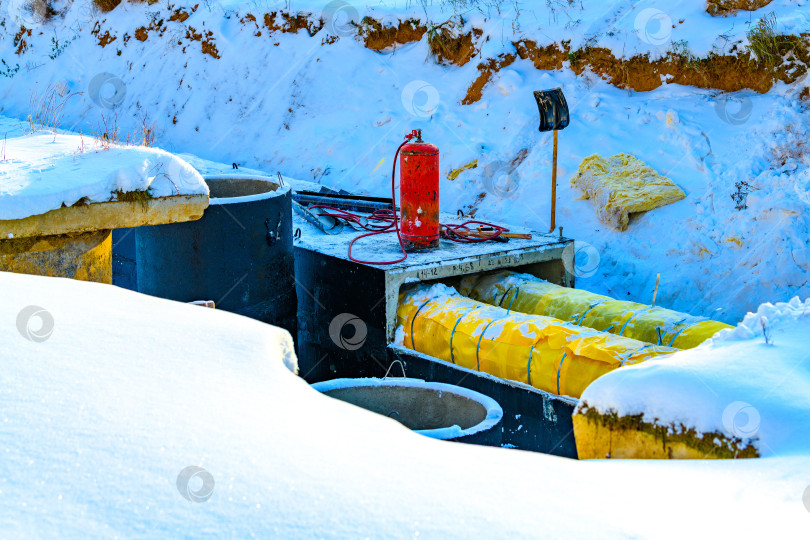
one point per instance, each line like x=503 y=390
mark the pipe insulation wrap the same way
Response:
x=544 y=352
x=529 y=294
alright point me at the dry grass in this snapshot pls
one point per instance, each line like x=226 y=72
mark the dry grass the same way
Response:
x=770 y=47
x=721 y=8
x=145 y=135
x=42 y=9
x=447 y=46
x=45 y=112
x=794 y=147
x=108 y=133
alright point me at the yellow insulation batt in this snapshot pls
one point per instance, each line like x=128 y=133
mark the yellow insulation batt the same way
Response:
x=529 y=294
x=543 y=352
x=621 y=185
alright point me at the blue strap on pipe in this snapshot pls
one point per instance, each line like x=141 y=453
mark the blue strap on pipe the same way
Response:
x=453 y=333
x=529 y=367
x=578 y=323
x=633 y=316
x=504 y=296
x=413 y=345
x=678 y=333
x=517 y=291
x=478 y=347
x=626 y=358
x=559 y=369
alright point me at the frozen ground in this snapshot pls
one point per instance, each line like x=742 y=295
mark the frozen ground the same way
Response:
x=334 y=113
x=107 y=395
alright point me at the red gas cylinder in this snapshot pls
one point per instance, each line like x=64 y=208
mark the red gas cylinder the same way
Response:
x=419 y=194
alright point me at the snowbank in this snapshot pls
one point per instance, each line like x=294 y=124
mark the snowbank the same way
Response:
x=751 y=382
x=119 y=399
x=45 y=171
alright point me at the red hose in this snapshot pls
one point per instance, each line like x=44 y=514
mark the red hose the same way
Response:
x=394 y=217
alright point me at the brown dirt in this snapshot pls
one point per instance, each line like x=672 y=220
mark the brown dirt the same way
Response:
x=471 y=209
x=251 y=19
x=639 y=73
x=546 y=58
x=103 y=39
x=106 y=38
x=292 y=23
x=721 y=8
x=209 y=48
x=19 y=40
x=727 y=73
x=519 y=158
x=181 y=16
x=447 y=47
x=378 y=37
x=43 y=9
x=106 y=5
x=486 y=70
x=206 y=41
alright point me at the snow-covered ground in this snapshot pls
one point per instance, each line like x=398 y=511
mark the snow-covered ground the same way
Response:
x=128 y=416
x=334 y=113
x=109 y=399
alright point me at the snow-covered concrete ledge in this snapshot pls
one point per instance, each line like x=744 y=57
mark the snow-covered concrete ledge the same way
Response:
x=61 y=196
x=744 y=393
x=62 y=184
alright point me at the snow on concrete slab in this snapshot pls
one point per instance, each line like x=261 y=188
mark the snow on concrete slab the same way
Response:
x=44 y=171
x=751 y=382
x=108 y=397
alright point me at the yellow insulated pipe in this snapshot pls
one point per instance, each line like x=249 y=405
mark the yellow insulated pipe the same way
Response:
x=528 y=294
x=543 y=352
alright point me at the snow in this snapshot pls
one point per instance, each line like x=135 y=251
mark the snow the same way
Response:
x=45 y=171
x=329 y=114
x=100 y=418
x=103 y=410
x=737 y=383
